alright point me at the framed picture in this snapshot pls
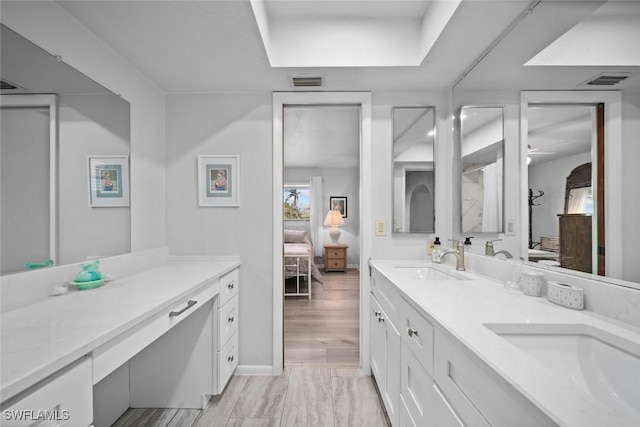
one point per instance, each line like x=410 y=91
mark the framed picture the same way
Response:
x=339 y=203
x=108 y=181
x=219 y=181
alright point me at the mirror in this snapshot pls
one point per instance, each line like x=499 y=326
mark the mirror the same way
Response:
x=413 y=170
x=482 y=166
x=53 y=120
x=550 y=89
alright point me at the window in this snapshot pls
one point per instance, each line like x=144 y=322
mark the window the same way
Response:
x=297 y=203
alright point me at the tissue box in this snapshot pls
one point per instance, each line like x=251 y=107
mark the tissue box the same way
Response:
x=565 y=295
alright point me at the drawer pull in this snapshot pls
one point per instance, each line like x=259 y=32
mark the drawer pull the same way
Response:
x=231 y=285
x=412 y=332
x=230 y=359
x=230 y=319
x=190 y=304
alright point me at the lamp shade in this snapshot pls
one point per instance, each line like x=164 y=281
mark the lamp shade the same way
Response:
x=334 y=218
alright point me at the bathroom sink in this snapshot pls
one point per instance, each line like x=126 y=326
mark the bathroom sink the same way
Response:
x=599 y=363
x=429 y=273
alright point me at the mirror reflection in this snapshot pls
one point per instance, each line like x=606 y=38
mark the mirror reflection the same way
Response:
x=413 y=170
x=561 y=198
x=482 y=163
x=53 y=119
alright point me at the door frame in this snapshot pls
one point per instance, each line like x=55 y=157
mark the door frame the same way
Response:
x=363 y=100
x=612 y=101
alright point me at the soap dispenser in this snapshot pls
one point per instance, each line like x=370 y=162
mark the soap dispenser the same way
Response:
x=437 y=250
x=467 y=244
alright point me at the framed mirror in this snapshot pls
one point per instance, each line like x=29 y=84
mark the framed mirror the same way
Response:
x=413 y=170
x=55 y=121
x=482 y=169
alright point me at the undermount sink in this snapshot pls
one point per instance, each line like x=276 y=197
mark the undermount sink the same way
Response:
x=599 y=363
x=429 y=273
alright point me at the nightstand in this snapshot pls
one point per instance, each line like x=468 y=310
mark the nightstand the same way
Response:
x=335 y=257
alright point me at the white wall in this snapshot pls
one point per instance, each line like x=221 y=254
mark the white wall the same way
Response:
x=551 y=178
x=51 y=28
x=337 y=182
x=226 y=123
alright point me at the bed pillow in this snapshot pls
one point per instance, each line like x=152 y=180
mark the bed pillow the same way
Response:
x=295 y=236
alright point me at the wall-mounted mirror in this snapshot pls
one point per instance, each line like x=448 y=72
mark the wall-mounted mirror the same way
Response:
x=413 y=170
x=482 y=166
x=550 y=84
x=53 y=119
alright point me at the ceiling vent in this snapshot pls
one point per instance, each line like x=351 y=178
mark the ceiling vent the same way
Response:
x=7 y=85
x=606 y=80
x=307 y=81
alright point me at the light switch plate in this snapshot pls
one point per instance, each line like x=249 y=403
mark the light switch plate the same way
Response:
x=380 y=227
x=510 y=228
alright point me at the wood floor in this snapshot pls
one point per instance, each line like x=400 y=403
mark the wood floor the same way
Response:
x=324 y=330
x=323 y=397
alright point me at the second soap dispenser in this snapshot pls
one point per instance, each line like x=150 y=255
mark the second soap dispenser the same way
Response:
x=437 y=250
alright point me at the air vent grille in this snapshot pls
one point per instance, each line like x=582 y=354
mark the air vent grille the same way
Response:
x=606 y=80
x=5 y=85
x=307 y=81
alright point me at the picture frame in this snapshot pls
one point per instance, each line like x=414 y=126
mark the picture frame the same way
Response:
x=339 y=203
x=219 y=180
x=108 y=178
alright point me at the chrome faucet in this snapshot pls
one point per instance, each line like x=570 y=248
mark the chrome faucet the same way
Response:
x=458 y=251
x=505 y=252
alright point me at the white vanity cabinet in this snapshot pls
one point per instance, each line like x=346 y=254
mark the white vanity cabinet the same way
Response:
x=64 y=399
x=226 y=359
x=385 y=344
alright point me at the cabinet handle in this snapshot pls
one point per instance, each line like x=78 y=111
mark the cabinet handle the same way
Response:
x=412 y=332
x=190 y=304
x=230 y=358
x=230 y=285
x=380 y=319
x=230 y=319
x=377 y=313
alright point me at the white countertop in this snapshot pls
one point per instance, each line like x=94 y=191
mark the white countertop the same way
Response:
x=42 y=338
x=463 y=307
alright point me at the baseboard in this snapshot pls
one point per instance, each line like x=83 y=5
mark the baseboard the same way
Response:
x=254 y=370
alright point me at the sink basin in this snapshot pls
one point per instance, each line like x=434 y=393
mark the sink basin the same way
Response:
x=599 y=363
x=429 y=273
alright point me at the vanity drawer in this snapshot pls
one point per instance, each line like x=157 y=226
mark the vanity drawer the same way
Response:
x=108 y=357
x=478 y=397
x=228 y=287
x=66 y=396
x=388 y=297
x=227 y=362
x=227 y=321
x=417 y=333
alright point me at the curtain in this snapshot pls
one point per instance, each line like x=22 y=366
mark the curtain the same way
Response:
x=492 y=208
x=317 y=215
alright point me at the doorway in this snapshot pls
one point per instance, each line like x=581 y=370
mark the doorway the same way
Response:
x=362 y=100
x=321 y=276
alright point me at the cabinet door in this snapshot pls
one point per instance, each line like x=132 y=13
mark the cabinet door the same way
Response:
x=378 y=352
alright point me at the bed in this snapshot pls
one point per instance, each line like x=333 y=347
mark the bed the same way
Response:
x=299 y=266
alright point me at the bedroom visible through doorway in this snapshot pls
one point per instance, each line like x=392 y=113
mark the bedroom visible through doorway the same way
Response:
x=321 y=198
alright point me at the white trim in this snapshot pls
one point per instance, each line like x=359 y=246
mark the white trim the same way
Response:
x=613 y=167
x=50 y=102
x=253 y=370
x=363 y=99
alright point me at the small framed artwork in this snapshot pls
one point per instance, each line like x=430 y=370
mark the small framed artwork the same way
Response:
x=339 y=203
x=219 y=181
x=108 y=181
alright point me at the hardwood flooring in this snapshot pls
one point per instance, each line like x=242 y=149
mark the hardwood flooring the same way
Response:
x=320 y=397
x=324 y=330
